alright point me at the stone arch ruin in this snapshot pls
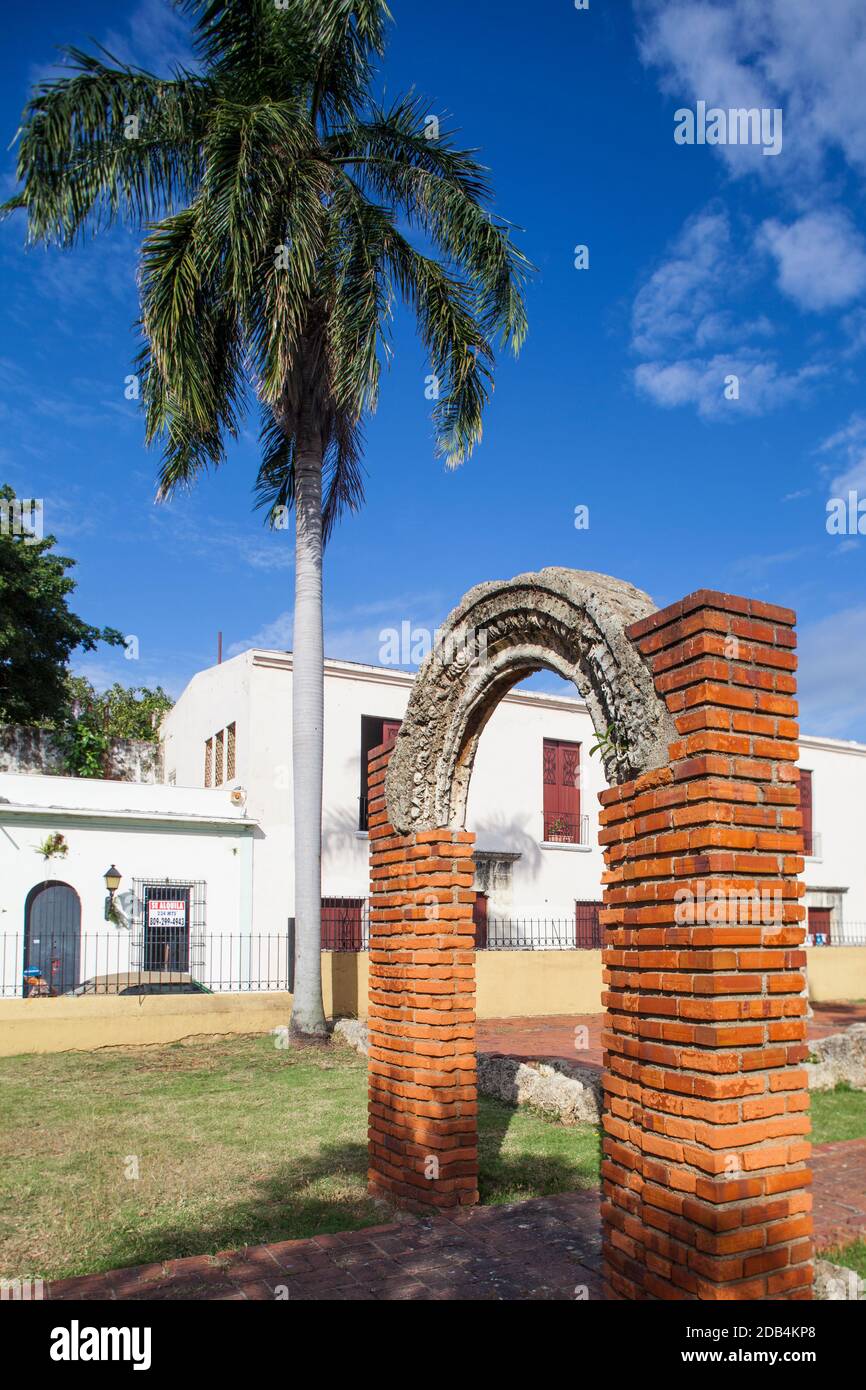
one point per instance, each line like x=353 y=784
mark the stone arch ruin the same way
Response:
x=705 y=1098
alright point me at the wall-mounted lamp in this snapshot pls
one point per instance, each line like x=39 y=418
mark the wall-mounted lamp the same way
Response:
x=112 y=883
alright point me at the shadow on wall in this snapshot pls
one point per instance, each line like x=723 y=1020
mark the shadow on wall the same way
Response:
x=338 y=831
x=498 y=833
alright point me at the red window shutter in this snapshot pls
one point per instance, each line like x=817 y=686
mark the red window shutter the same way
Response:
x=342 y=928
x=819 y=924
x=561 y=789
x=806 y=808
x=479 y=920
x=587 y=927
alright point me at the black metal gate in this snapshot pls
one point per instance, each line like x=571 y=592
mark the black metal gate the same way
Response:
x=166 y=927
x=52 y=939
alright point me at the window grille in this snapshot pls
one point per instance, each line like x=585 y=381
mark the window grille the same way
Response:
x=231 y=741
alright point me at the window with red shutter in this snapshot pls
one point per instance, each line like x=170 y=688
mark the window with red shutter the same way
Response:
x=374 y=733
x=561 y=788
x=820 y=920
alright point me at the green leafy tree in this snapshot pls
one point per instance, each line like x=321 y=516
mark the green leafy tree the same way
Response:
x=283 y=206
x=38 y=631
x=91 y=721
x=121 y=711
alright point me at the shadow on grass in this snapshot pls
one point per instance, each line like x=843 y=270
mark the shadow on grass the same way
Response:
x=326 y=1194
x=551 y=1158
x=282 y=1207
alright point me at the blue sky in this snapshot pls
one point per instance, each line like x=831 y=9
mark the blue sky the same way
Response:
x=704 y=262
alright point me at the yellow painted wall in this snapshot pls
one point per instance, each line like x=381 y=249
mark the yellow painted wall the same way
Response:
x=514 y=984
x=510 y=984
x=76 y=1024
x=836 y=973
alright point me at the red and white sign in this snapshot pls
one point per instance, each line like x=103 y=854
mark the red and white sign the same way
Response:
x=166 y=912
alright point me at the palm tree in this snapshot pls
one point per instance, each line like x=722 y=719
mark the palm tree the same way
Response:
x=280 y=203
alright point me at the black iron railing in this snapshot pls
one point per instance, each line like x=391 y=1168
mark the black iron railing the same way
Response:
x=108 y=962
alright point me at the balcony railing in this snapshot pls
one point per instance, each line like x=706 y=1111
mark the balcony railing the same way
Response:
x=566 y=830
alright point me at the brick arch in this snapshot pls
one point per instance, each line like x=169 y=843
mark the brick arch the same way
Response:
x=705 y=1184
x=569 y=621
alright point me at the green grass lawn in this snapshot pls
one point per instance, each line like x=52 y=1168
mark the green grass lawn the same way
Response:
x=236 y=1141
x=839 y=1114
x=851 y=1256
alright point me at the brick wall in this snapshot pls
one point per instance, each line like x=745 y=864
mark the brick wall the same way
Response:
x=423 y=1109
x=704 y=1172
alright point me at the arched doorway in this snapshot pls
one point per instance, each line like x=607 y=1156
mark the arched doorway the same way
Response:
x=704 y=1183
x=52 y=938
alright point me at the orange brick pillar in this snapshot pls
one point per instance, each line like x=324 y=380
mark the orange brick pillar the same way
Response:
x=706 y=1102
x=423 y=1109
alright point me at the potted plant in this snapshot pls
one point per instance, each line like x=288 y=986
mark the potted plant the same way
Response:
x=558 y=831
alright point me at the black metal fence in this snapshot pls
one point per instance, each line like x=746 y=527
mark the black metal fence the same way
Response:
x=111 y=962
x=537 y=934
x=114 y=962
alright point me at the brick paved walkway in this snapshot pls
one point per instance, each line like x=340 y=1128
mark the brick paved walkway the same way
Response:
x=840 y=1192
x=544 y=1249
x=555 y=1036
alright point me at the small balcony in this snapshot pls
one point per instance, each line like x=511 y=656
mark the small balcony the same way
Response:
x=561 y=829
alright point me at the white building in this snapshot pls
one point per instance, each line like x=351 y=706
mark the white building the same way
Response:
x=533 y=801
x=184 y=901
x=205 y=861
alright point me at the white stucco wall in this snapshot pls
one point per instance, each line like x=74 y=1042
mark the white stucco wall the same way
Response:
x=838 y=799
x=505 y=799
x=149 y=832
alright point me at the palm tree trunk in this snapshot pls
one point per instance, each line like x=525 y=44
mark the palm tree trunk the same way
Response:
x=308 y=677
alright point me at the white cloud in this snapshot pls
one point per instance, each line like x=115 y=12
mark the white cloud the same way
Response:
x=680 y=298
x=847 y=452
x=156 y=37
x=805 y=58
x=701 y=382
x=821 y=258
x=356 y=633
x=685 y=321
x=177 y=524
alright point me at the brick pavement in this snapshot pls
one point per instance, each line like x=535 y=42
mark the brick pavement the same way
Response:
x=554 y=1036
x=537 y=1250
x=548 y=1248
x=839 y=1187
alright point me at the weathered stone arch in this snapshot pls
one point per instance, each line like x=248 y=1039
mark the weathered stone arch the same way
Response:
x=704 y=1178
x=570 y=621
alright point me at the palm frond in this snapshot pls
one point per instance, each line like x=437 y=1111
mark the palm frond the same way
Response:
x=441 y=190
x=107 y=144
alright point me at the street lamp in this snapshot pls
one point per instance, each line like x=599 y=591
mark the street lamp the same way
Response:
x=112 y=883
